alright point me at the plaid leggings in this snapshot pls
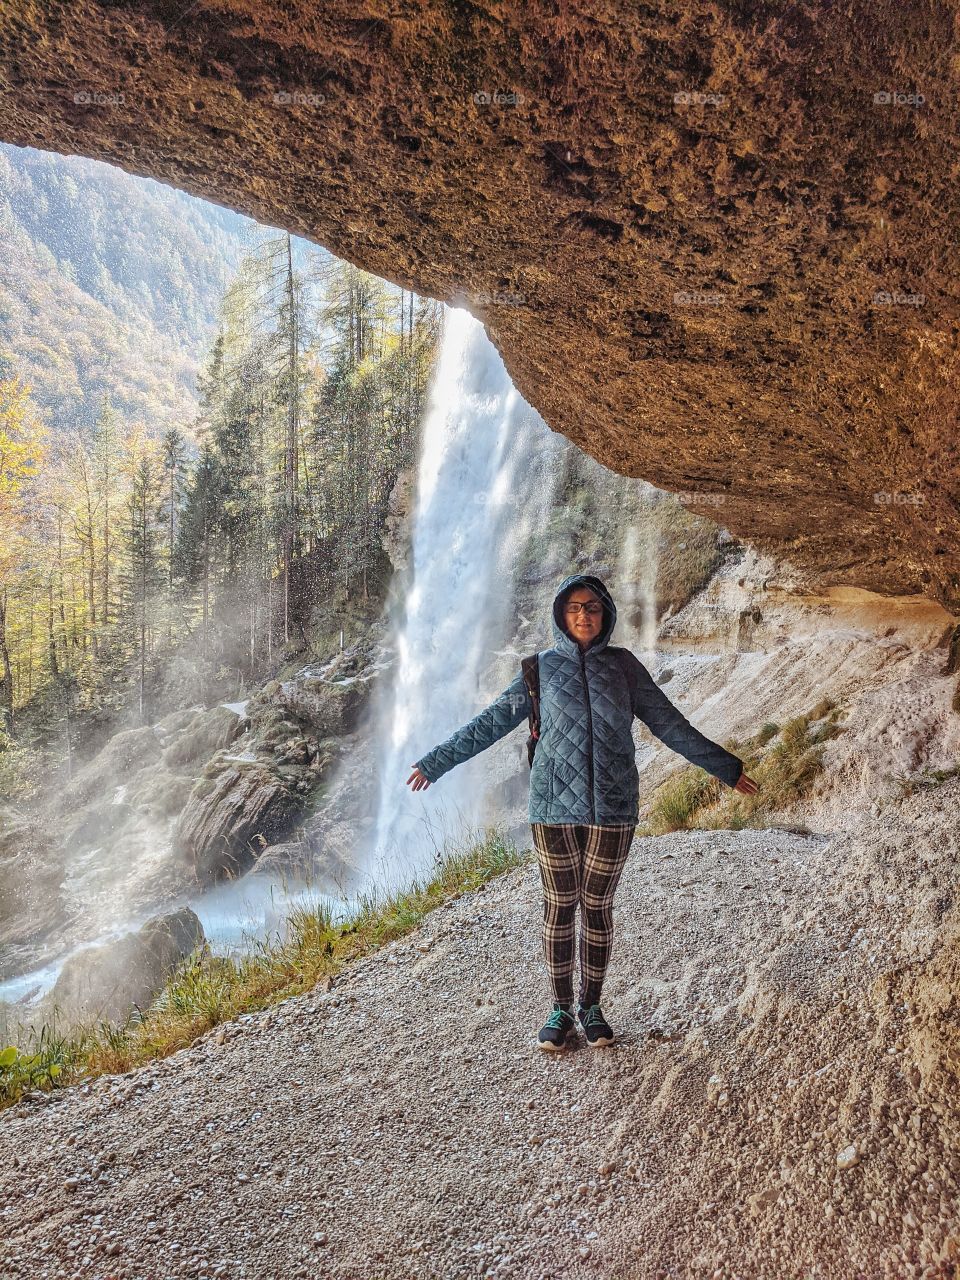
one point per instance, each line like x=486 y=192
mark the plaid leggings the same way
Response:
x=579 y=865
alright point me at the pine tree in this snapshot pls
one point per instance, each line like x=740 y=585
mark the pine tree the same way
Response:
x=174 y=466
x=105 y=452
x=198 y=538
x=144 y=573
x=23 y=447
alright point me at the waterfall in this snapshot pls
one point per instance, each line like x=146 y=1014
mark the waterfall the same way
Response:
x=639 y=562
x=486 y=486
x=483 y=481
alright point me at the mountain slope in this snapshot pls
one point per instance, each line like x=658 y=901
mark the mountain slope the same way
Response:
x=110 y=284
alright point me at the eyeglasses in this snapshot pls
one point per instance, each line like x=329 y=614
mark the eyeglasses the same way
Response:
x=592 y=609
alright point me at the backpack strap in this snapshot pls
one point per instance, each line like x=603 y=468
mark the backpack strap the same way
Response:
x=626 y=666
x=531 y=677
x=623 y=658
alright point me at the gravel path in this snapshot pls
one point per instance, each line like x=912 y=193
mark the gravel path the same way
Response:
x=781 y=1103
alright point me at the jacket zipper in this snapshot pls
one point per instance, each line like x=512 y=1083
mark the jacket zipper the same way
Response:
x=586 y=690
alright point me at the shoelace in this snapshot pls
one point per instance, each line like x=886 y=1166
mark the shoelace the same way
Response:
x=556 y=1019
x=592 y=1016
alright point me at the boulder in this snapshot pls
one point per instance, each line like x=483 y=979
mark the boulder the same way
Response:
x=124 y=753
x=159 y=793
x=109 y=980
x=31 y=902
x=230 y=817
x=176 y=722
x=95 y=824
x=328 y=862
x=289 y=858
x=205 y=733
x=329 y=707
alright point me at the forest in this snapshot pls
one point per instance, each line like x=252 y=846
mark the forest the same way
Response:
x=139 y=565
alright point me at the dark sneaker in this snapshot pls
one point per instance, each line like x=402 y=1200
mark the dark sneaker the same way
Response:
x=595 y=1026
x=558 y=1027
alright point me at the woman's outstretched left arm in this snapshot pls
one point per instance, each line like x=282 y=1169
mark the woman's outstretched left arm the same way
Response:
x=670 y=725
x=511 y=708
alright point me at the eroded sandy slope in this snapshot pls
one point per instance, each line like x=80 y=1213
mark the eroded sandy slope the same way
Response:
x=782 y=1101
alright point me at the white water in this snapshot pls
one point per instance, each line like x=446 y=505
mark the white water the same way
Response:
x=484 y=478
x=485 y=482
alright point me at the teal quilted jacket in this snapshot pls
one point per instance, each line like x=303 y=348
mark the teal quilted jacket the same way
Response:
x=584 y=769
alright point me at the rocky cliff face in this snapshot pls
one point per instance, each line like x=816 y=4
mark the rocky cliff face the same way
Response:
x=716 y=249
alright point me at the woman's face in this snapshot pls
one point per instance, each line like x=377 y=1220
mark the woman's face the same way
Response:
x=583 y=624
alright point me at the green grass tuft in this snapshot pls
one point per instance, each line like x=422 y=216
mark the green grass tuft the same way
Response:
x=783 y=760
x=207 y=990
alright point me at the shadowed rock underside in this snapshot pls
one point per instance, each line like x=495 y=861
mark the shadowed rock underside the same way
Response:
x=715 y=245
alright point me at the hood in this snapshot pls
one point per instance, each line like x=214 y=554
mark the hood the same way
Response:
x=562 y=640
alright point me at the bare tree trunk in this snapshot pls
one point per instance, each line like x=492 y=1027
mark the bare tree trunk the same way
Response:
x=6 y=681
x=290 y=452
x=51 y=637
x=206 y=588
x=143 y=603
x=173 y=498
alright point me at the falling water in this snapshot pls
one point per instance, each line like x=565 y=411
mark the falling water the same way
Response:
x=640 y=563
x=485 y=484
x=483 y=480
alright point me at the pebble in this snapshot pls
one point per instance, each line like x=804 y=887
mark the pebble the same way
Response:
x=848 y=1157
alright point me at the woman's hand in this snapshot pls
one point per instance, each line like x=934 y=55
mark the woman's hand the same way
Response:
x=420 y=782
x=746 y=785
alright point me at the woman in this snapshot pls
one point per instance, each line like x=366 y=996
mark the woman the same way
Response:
x=584 y=786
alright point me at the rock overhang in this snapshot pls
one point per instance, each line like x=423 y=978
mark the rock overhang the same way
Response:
x=715 y=246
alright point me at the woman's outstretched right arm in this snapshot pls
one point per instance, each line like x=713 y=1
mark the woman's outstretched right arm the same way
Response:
x=494 y=722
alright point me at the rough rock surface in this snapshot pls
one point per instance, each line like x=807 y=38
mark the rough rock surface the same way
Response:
x=107 y=981
x=230 y=818
x=716 y=247
x=31 y=902
x=125 y=752
x=207 y=732
x=750 y=650
x=329 y=706
x=782 y=1100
